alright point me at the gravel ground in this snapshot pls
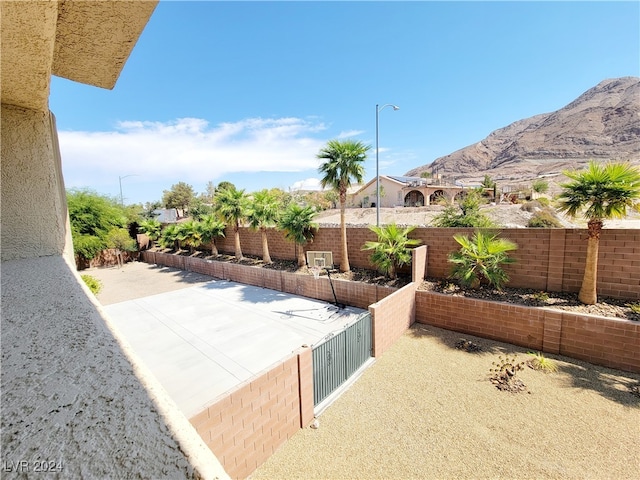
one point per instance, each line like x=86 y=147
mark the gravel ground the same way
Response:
x=428 y=410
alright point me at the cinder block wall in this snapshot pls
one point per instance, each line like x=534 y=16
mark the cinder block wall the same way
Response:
x=547 y=259
x=603 y=341
x=245 y=427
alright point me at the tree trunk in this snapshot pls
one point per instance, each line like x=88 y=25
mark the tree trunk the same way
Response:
x=237 y=241
x=214 y=248
x=302 y=261
x=344 y=262
x=588 y=294
x=266 y=258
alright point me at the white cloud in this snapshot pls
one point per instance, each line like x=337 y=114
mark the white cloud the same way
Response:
x=350 y=133
x=307 y=184
x=190 y=150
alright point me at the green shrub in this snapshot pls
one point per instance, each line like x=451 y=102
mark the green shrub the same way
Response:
x=544 y=201
x=540 y=362
x=545 y=218
x=93 y=283
x=480 y=259
x=392 y=250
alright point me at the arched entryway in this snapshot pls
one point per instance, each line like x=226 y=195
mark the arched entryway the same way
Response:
x=414 y=199
x=436 y=196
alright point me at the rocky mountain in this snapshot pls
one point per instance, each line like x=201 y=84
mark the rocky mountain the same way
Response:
x=603 y=123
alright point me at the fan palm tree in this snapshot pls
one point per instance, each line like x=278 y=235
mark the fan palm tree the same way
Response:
x=392 y=248
x=298 y=226
x=209 y=229
x=600 y=192
x=151 y=228
x=169 y=237
x=188 y=235
x=263 y=213
x=232 y=205
x=480 y=258
x=343 y=163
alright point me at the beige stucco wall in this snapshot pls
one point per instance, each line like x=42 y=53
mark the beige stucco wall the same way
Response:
x=34 y=209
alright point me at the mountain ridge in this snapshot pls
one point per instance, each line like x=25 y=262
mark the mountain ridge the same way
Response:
x=603 y=123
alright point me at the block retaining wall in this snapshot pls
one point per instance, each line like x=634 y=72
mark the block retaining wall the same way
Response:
x=245 y=426
x=547 y=259
x=610 y=342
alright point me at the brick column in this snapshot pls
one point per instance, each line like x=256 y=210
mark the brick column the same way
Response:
x=555 y=271
x=552 y=331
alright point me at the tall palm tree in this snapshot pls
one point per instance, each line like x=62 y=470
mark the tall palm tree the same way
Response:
x=263 y=213
x=209 y=229
x=343 y=163
x=392 y=249
x=297 y=224
x=600 y=192
x=232 y=205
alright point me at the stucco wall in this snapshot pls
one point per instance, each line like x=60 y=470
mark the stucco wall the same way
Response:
x=33 y=199
x=74 y=394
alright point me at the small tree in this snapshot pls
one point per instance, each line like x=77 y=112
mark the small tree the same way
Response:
x=480 y=259
x=298 y=226
x=169 y=237
x=209 y=229
x=599 y=192
x=232 y=205
x=391 y=251
x=263 y=214
x=540 y=186
x=189 y=235
x=180 y=197
x=119 y=239
x=151 y=228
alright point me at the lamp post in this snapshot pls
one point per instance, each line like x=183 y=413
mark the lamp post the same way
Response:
x=378 y=110
x=120 y=181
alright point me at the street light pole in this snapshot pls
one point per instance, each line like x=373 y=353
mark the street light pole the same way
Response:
x=120 y=181
x=378 y=110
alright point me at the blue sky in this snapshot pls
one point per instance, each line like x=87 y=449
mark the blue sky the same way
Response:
x=248 y=92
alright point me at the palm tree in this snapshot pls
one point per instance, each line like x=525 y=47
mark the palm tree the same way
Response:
x=392 y=248
x=600 y=192
x=151 y=228
x=297 y=224
x=188 y=235
x=169 y=237
x=232 y=205
x=480 y=258
x=263 y=213
x=343 y=164
x=209 y=229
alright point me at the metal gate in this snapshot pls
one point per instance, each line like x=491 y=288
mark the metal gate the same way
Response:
x=338 y=357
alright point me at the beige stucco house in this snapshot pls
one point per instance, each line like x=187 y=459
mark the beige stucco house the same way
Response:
x=73 y=393
x=399 y=191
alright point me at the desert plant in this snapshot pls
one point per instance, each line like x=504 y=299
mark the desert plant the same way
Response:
x=169 y=237
x=544 y=218
x=151 y=228
x=343 y=163
x=541 y=297
x=635 y=307
x=189 y=235
x=466 y=213
x=93 y=283
x=602 y=191
x=504 y=374
x=480 y=259
x=540 y=186
x=391 y=251
x=540 y=362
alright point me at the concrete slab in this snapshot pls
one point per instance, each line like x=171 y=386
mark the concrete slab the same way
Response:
x=204 y=340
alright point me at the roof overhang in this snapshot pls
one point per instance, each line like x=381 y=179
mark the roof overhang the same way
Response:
x=83 y=40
